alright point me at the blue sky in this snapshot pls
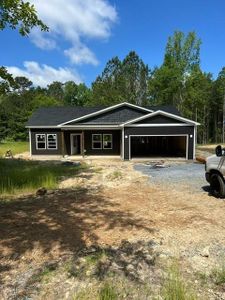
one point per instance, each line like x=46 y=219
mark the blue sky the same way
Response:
x=84 y=35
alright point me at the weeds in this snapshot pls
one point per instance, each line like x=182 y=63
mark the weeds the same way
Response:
x=218 y=275
x=175 y=288
x=26 y=176
x=107 y=292
x=45 y=275
x=115 y=175
x=15 y=147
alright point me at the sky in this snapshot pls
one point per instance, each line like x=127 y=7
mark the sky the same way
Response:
x=85 y=34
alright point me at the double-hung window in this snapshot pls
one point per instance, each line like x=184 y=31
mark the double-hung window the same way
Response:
x=40 y=141
x=107 y=141
x=96 y=141
x=51 y=141
x=46 y=141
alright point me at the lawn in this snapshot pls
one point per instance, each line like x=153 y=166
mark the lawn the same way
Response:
x=15 y=147
x=18 y=176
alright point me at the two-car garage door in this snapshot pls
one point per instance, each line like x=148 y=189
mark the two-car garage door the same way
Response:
x=142 y=146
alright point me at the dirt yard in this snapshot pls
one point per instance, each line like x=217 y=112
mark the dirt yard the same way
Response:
x=107 y=203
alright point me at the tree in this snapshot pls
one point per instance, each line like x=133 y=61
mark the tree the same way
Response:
x=18 y=14
x=182 y=57
x=55 y=90
x=21 y=15
x=22 y=83
x=108 y=88
x=76 y=94
x=218 y=107
x=122 y=81
x=197 y=102
x=135 y=75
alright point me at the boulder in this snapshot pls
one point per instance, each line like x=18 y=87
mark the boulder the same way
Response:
x=41 y=191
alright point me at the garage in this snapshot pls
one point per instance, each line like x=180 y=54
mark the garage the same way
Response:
x=142 y=146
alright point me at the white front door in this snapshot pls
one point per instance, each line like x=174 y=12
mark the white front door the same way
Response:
x=75 y=144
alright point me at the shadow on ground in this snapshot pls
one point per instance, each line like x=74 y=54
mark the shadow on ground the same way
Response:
x=67 y=218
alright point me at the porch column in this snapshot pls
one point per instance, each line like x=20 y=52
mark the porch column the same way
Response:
x=63 y=143
x=82 y=143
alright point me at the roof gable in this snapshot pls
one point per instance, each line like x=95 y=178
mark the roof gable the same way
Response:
x=166 y=116
x=158 y=119
x=116 y=116
x=102 y=111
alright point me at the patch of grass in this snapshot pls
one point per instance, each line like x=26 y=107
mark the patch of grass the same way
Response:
x=94 y=258
x=27 y=176
x=175 y=288
x=218 y=275
x=45 y=275
x=202 y=276
x=115 y=175
x=15 y=147
x=85 y=268
x=108 y=292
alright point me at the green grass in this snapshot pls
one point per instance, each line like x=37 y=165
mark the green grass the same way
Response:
x=218 y=275
x=26 y=176
x=108 y=292
x=175 y=288
x=15 y=147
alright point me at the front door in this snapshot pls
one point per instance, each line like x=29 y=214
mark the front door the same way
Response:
x=75 y=144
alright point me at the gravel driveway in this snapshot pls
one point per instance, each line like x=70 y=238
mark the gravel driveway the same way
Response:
x=180 y=175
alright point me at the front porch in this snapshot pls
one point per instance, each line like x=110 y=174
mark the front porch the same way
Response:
x=94 y=143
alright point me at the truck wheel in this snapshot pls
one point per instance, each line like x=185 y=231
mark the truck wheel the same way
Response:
x=217 y=185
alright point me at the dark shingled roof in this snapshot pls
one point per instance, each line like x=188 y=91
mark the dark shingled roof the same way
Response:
x=53 y=116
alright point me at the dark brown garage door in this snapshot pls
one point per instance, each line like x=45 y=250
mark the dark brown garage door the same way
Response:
x=158 y=146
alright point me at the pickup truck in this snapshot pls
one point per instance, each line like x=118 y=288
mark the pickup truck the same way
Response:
x=215 y=172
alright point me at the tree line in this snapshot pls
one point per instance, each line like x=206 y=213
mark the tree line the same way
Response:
x=179 y=81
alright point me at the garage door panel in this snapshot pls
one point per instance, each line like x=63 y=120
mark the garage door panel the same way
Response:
x=158 y=146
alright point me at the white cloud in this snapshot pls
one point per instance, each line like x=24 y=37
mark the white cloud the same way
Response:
x=81 y=54
x=43 y=75
x=73 y=21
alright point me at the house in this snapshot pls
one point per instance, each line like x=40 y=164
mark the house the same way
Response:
x=124 y=129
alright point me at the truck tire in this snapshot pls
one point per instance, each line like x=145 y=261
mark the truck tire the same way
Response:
x=217 y=185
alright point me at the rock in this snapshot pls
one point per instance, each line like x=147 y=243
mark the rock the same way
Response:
x=205 y=252
x=130 y=268
x=41 y=192
x=149 y=259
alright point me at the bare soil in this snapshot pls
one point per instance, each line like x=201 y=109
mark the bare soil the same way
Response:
x=106 y=204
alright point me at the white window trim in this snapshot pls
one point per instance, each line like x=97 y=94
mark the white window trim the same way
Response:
x=111 y=141
x=36 y=135
x=56 y=148
x=96 y=141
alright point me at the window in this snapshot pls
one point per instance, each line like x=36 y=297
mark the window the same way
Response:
x=107 y=141
x=96 y=141
x=40 y=141
x=52 y=141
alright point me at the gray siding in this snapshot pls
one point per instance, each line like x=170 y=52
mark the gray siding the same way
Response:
x=116 y=140
x=35 y=151
x=173 y=130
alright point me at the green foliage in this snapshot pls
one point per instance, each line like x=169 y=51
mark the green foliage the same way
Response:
x=108 y=292
x=122 y=81
x=18 y=14
x=21 y=14
x=15 y=147
x=25 y=176
x=218 y=275
x=175 y=288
